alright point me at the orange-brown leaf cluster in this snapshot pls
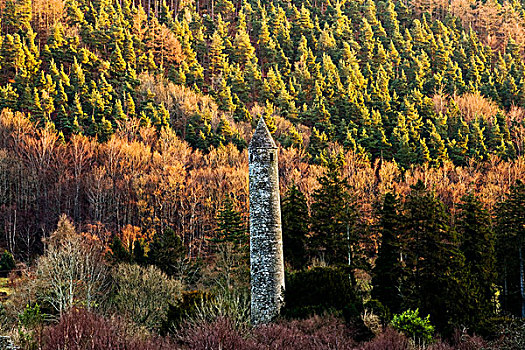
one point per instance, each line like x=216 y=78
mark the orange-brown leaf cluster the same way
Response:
x=136 y=186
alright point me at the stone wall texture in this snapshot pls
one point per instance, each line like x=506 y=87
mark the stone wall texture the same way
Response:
x=266 y=245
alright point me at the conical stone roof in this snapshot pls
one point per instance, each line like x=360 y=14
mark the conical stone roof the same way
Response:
x=261 y=137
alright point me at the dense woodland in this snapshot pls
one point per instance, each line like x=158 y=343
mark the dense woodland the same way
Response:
x=401 y=133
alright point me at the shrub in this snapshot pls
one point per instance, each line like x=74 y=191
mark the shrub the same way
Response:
x=511 y=334
x=319 y=290
x=31 y=316
x=184 y=308
x=218 y=334
x=413 y=326
x=144 y=294
x=390 y=339
x=30 y=324
x=379 y=309
x=372 y=321
x=7 y=263
x=464 y=341
x=233 y=305
x=80 y=329
x=439 y=345
x=309 y=334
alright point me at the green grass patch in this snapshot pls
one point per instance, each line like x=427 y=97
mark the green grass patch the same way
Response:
x=4 y=286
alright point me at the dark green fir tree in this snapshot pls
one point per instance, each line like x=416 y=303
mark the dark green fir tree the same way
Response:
x=477 y=241
x=230 y=224
x=511 y=249
x=388 y=272
x=295 y=219
x=333 y=218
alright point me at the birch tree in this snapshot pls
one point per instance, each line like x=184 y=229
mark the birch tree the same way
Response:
x=72 y=269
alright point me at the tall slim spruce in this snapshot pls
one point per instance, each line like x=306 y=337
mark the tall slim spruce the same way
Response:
x=388 y=271
x=511 y=248
x=295 y=227
x=477 y=240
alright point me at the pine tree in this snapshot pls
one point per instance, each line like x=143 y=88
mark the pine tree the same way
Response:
x=434 y=264
x=267 y=46
x=511 y=249
x=243 y=51
x=477 y=147
x=295 y=218
x=118 y=253
x=224 y=96
x=129 y=104
x=367 y=41
x=166 y=250
x=477 y=245
x=217 y=56
x=405 y=154
x=230 y=225
x=224 y=132
x=139 y=255
x=437 y=145
x=63 y=121
x=118 y=112
x=388 y=273
x=333 y=218
x=117 y=66
x=293 y=138
x=105 y=130
x=303 y=24
x=318 y=144
x=225 y=8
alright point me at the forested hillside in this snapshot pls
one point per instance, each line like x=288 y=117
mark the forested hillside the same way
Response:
x=401 y=133
x=416 y=82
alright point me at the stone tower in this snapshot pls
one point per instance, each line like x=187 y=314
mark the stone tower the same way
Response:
x=266 y=243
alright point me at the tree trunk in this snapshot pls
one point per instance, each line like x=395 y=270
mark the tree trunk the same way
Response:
x=349 y=244
x=505 y=289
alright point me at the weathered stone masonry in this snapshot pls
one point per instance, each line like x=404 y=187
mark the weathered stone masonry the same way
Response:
x=266 y=244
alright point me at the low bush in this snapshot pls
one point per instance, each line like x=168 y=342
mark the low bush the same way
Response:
x=143 y=294
x=390 y=339
x=184 y=308
x=413 y=326
x=218 y=334
x=7 y=263
x=309 y=334
x=465 y=341
x=31 y=317
x=80 y=329
x=320 y=290
x=510 y=333
x=314 y=333
x=439 y=345
x=30 y=325
x=380 y=310
x=230 y=304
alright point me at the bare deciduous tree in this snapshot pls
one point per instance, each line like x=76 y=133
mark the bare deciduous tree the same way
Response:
x=144 y=293
x=72 y=270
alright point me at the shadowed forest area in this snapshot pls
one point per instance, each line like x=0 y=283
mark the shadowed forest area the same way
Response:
x=124 y=172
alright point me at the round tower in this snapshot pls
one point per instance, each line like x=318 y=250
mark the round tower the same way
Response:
x=266 y=243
